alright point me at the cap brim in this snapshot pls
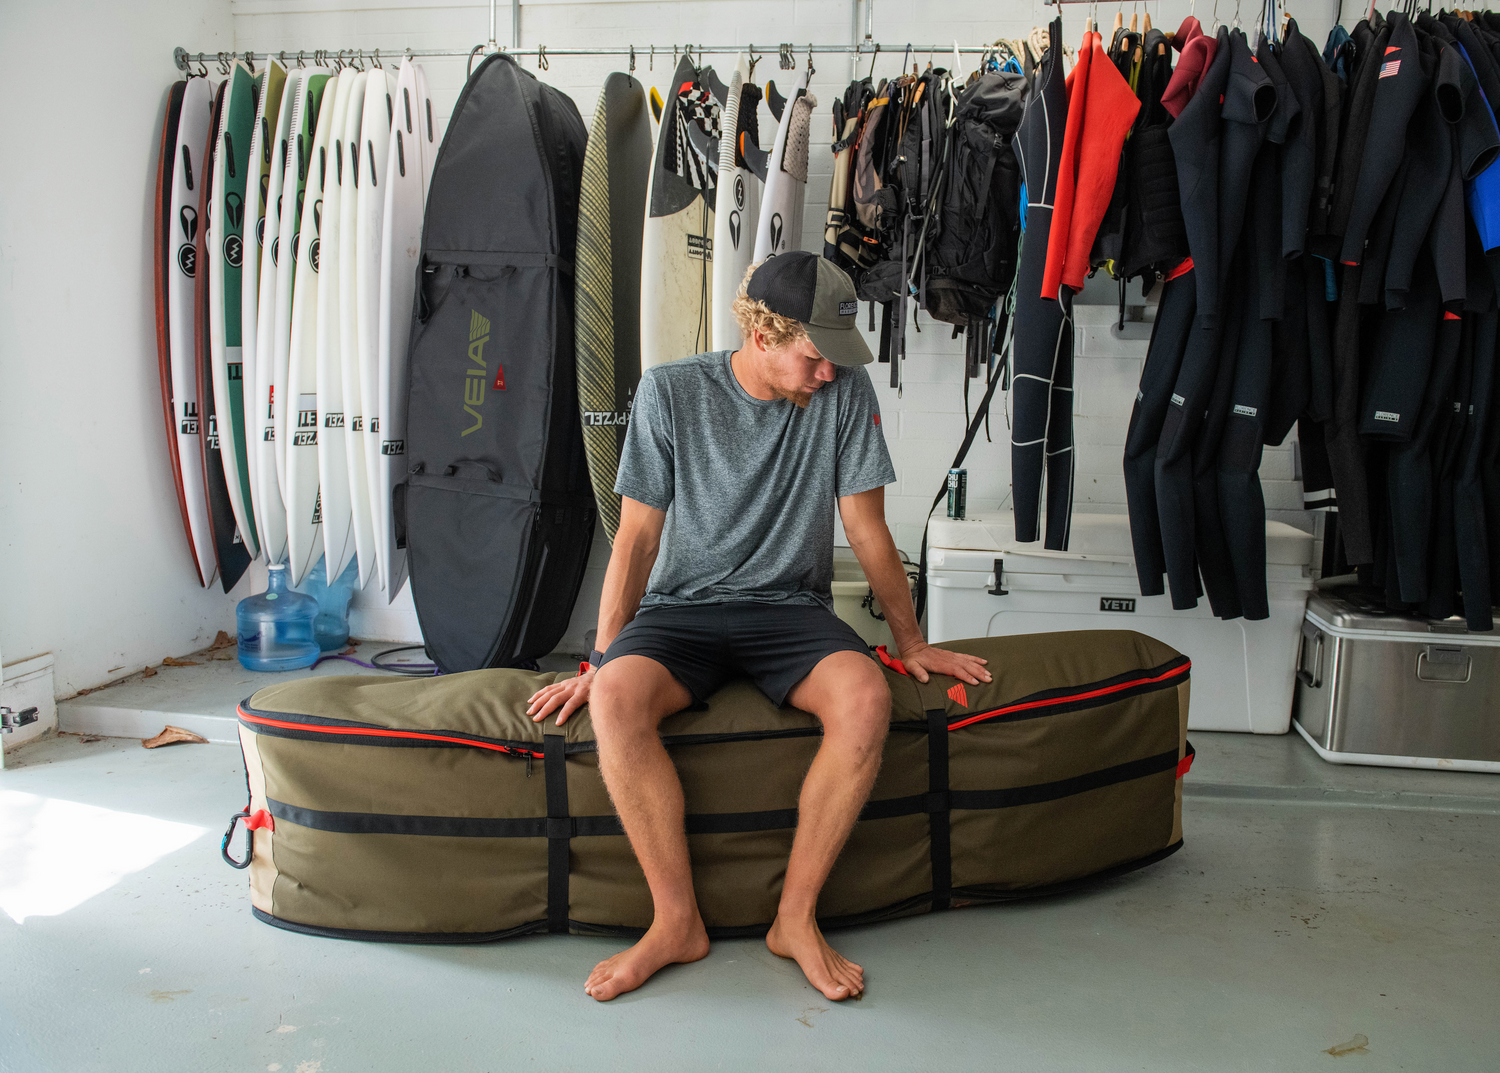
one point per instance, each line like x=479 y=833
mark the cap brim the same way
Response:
x=842 y=346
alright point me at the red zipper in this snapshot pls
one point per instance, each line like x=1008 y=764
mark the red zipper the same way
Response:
x=375 y=732
x=1070 y=698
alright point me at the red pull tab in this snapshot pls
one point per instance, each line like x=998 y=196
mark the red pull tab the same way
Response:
x=261 y=818
x=499 y=377
x=1185 y=765
x=894 y=664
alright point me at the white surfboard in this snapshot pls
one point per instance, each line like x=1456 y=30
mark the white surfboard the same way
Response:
x=401 y=249
x=429 y=130
x=354 y=421
x=375 y=140
x=188 y=176
x=271 y=83
x=780 y=227
x=737 y=215
x=304 y=499
x=339 y=544
x=270 y=508
x=676 y=257
x=225 y=251
x=299 y=153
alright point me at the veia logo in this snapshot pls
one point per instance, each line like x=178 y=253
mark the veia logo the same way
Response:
x=474 y=381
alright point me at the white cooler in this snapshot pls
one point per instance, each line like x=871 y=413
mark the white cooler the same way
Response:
x=1243 y=672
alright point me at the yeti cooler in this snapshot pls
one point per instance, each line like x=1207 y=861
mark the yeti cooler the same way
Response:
x=1242 y=671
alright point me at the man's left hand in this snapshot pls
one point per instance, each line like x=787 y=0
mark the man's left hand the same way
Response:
x=924 y=660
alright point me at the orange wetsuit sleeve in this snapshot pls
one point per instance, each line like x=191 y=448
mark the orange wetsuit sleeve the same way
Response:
x=1062 y=199
x=1108 y=113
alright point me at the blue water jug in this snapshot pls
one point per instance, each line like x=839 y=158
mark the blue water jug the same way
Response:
x=331 y=627
x=276 y=627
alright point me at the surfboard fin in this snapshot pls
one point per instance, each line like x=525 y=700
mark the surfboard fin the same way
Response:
x=756 y=158
x=656 y=104
x=775 y=101
x=708 y=78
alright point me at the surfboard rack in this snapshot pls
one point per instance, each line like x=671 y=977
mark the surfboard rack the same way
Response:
x=185 y=60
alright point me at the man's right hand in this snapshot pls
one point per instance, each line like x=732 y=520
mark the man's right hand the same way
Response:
x=569 y=696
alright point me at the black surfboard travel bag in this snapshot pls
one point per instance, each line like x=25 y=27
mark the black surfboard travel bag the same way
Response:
x=497 y=513
x=434 y=810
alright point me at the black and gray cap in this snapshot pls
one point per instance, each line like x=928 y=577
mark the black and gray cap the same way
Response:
x=817 y=292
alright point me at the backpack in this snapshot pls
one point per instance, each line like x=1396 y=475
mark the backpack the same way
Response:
x=969 y=256
x=846 y=241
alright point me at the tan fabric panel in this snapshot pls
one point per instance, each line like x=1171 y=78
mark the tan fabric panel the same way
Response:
x=263 y=841
x=1062 y=746
x=738 y=876
x=606 y=886
x=409 y=883
x=1183 y=693
x=883 y=863
x=335 y=777
x=1057 y=841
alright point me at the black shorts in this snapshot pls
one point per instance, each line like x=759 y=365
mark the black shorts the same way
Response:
x=705 y=645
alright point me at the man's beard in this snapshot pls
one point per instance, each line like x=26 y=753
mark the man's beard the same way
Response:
x=799 y=398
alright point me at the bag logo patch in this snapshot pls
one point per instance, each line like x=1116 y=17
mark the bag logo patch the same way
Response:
x=474 y=383
x=957 y=694
x=1117 y=603
x=1386 y=415
x=1245 y=411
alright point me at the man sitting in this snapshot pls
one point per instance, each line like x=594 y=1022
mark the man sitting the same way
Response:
x=722 y=565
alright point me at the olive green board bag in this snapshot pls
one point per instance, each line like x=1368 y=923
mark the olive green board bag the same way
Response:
x=435 y=810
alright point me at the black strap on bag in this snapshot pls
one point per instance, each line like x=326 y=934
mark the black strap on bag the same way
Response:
x=559 y=831
x=938 y=806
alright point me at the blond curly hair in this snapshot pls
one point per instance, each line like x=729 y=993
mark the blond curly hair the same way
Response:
x=754 y=316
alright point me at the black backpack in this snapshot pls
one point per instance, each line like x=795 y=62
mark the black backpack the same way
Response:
x=968 y=258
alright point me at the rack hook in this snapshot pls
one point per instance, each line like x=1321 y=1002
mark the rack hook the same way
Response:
x=223 y=65
x=632 y=59
x=653 y=58
x=873 y=57
x=202 y=70
x=476 y=50
x=300 y=64
x=250 y=60
x=378 y=64
x=281 y=57
x=810 y=68
x=541 y=58
x=787 y=61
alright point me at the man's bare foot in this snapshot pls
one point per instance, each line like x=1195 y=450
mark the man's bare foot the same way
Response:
x=663 y=944
x=831 y=973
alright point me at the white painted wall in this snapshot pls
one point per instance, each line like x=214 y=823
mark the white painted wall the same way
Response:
x=94 y=566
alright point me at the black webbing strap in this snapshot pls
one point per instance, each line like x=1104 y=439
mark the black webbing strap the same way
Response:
x=559 y=831
x=938 y=806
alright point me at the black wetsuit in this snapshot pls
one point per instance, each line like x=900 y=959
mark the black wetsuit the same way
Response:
x=1042 y=344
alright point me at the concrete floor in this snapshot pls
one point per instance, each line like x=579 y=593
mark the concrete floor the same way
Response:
x=1317 y=916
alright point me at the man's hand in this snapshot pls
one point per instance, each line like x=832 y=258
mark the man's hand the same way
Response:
x=569 y=696
x=924 y=660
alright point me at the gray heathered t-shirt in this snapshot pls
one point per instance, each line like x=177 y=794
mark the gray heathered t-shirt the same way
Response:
x=749 y=486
